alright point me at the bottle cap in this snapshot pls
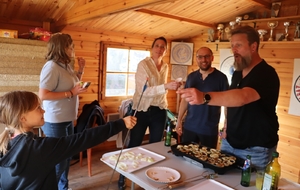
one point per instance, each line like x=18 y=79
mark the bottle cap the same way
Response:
x=275 y=154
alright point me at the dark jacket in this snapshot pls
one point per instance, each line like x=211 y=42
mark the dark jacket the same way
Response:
x=86 y=118
x=30 y=161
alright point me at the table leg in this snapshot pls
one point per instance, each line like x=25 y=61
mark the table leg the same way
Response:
x=132 y=185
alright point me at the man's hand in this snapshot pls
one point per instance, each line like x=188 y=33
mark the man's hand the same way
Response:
x=191 y=95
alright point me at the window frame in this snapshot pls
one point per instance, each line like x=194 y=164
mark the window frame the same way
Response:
x=103 y=60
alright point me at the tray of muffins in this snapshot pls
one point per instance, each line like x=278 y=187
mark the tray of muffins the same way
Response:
x=211 y=158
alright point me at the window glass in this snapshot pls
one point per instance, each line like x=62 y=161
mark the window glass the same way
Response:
x=117 y=60
x=115 y=84
x=121 y=65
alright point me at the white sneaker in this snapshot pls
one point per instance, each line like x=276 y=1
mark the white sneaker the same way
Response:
x=69 y=188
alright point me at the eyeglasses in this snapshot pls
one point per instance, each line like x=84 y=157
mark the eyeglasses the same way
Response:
x=203 y=56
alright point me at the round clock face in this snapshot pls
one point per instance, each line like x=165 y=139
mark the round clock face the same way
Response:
x=227 y=67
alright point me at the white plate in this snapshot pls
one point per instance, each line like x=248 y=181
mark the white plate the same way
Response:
x=210 y=184
x=137 y=160
x=162 y=174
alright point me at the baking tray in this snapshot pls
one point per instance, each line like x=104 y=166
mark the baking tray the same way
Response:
x=205 y=164
x=139 y=159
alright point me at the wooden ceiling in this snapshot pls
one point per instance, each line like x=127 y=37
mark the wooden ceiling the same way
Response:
x=174 y=19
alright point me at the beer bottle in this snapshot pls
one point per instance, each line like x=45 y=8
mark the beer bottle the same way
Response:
x=272 y=173
x=246 y=172
x=168 y=135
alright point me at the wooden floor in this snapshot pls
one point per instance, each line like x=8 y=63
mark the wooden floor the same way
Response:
x=101 y=174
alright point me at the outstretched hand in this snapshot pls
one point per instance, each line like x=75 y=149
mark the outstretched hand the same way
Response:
x=191 y=95
x=130 y=121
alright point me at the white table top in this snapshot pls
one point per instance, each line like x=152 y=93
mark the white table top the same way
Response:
x=188 y=170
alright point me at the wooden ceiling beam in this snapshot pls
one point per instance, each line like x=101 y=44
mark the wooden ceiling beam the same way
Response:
x=169 y=16
x=263 y=3
x=102 y=8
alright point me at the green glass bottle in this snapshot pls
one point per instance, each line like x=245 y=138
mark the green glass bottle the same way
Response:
x=168 y=135
x=246 y=172
x=272 y=174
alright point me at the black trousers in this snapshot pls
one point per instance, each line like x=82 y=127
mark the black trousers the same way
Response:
x=155 y=118
x=205 y=140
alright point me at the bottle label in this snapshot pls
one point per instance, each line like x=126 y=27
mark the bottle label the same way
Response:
x=246 y=164
x=267 y=182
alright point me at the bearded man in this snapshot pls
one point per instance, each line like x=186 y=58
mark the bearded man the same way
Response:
x=252 y=122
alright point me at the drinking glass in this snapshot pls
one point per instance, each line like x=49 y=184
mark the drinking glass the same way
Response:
x=259 y=179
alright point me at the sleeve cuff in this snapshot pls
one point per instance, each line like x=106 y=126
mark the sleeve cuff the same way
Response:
x=161 y=88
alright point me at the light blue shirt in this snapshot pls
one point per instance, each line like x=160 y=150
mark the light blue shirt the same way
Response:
x=57 y=78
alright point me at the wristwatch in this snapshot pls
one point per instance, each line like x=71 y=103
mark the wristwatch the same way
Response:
x=206 y=98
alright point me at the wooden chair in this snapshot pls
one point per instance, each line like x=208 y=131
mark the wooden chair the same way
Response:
x=89 y=152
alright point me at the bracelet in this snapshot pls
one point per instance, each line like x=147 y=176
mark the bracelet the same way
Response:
x=71 y=94
x=79 y=72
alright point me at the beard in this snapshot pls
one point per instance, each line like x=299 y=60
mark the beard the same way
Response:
x=241 y=63
x=205 y=68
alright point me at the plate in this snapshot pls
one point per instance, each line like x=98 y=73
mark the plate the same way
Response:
x=131 y=159
x=210 y=184
x=162 y=174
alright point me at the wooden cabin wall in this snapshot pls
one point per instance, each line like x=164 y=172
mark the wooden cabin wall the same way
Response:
x=87 y=45
x=279 y=55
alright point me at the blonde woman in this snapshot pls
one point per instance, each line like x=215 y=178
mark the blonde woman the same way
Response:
x=58 y=89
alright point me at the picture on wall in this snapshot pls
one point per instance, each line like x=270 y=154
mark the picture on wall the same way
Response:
x=295 y=91
x=179 y=71
x=181 y=53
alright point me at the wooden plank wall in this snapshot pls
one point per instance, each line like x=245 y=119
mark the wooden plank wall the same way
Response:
x=87 y=45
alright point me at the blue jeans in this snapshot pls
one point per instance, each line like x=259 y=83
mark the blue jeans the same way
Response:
x=155 y=118
x=62 y=168
x=260 y=156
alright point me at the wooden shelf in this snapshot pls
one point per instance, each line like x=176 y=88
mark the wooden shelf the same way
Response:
x=288 y=18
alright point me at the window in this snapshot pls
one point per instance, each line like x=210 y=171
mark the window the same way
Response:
x=121 y=65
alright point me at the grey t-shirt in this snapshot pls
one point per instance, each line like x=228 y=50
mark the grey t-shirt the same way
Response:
x=57 y=78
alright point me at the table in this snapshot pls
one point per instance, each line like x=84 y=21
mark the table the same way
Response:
x=188 y=170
